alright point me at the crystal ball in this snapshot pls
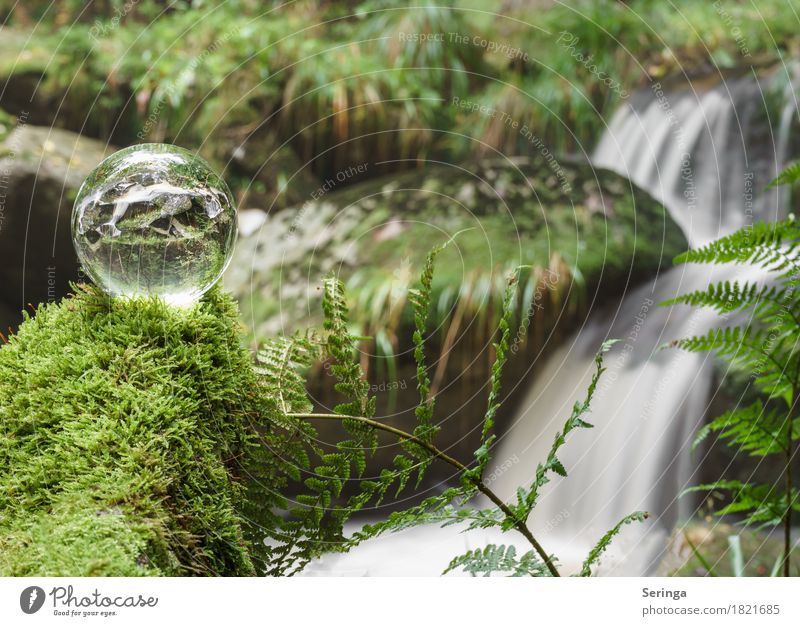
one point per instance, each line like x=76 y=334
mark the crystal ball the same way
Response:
x=154 y=219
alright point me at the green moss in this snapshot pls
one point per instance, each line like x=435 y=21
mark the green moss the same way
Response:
x=122 y=428
x=571 y=223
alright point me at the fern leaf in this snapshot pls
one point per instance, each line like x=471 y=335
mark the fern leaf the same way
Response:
x=442 y=508
x=281 y=367
x=425 y=428
x=341 y=345
x=482 y=454
x=754 y=429
x=527 y=498
x=789 y=176
x=770 y=303
x=763 y=505
x=757 y=351
x=503 y=559
x=772 y=246
x=605 y=541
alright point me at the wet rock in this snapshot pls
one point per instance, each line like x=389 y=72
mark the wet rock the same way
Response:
x=41 y=170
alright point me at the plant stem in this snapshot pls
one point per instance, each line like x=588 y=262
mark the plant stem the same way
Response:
x=787 y=518
x=519 y=525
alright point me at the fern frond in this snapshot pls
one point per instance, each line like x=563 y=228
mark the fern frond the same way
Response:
x=789 y=176
x=772 y=246
x=342 y=347
x=754 y=429
x=482 y=454
x=763 y=505
x=758 y=351
x=770 y=303
x=442 y=508
x=500 y=558
x=421 y=302
x=605 y=541
x=282 y=363
x=351 y=381
x=527 y=498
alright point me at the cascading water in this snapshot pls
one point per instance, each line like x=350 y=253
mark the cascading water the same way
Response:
x=706 y=153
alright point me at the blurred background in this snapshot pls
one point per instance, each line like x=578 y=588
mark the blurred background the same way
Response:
x=590 y=141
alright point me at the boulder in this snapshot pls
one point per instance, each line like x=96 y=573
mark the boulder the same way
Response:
x=585 y=224
x=41 y=170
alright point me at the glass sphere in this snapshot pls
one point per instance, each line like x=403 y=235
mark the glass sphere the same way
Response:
x=154 y=219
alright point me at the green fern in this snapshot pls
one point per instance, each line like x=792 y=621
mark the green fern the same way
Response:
x=771 y=246
x=765 y=348
x=527 y=498
x=605 y=541
x=482 y=455
x=421 y=301
x=763 y=504
x=789 y=176
x=314 y=523
x=769 y=302
x=754 y=429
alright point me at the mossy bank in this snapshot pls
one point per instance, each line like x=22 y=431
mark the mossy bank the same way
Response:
x=125 y=429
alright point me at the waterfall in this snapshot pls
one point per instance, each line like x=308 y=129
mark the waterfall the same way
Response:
x=706 y=152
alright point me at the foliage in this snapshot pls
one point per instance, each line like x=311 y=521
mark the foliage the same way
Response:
x=765 y=347
x=140 y=440
x=493 y=559
x=323 y=513
x=340 y=82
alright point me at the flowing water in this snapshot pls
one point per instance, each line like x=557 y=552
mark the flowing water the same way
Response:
x=707 y=155
x=706 y=152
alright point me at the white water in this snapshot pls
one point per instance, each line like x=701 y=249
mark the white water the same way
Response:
x=695 y=152
x=705 y=155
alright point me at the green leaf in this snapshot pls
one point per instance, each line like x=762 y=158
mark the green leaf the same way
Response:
x=482 y=455
x=527 y=498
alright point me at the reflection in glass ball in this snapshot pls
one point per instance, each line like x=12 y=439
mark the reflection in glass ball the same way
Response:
x=154 y=219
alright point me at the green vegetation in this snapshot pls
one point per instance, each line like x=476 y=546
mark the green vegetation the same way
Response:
x=136 y=439
x=340 y=82
x=524 y=212
x=714 y=548
x=123 y=425
x=125 y=445
x=320 y=516
x=765 y=348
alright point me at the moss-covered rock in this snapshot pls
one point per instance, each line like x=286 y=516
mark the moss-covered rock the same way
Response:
x=123 y=428
x=575 y=226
